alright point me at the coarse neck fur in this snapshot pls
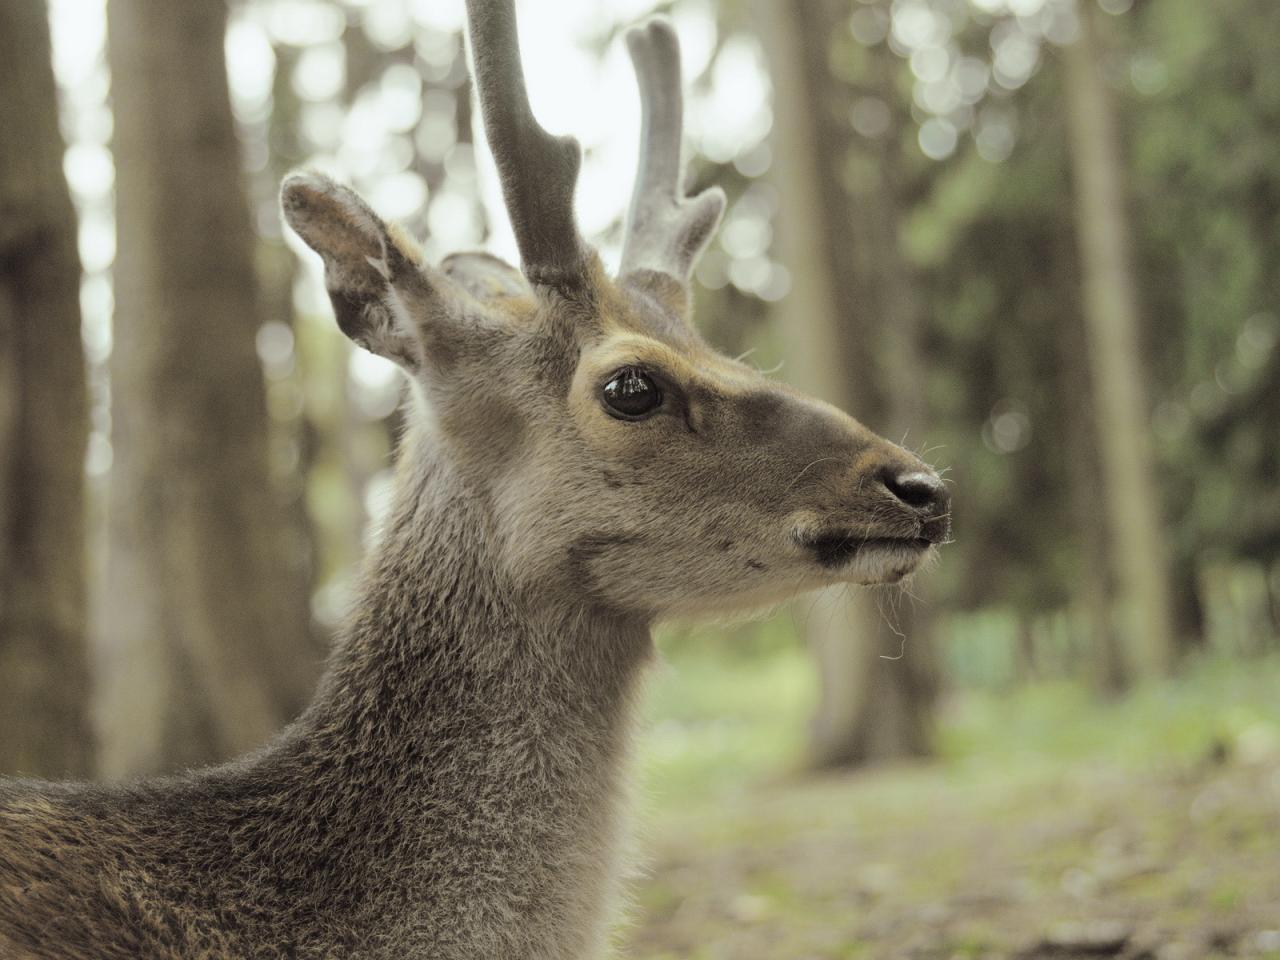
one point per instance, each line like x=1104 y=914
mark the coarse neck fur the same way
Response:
x=452 y=791
x=489 y=725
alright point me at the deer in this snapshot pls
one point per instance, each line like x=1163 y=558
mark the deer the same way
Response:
x=578 y=466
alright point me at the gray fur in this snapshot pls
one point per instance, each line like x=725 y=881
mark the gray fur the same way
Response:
x=449 y=794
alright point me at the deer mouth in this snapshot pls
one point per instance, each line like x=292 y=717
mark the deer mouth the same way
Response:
x=892 y=557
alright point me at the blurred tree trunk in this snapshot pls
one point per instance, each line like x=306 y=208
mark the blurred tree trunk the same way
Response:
x=44 y=421
x=293 y=435
x=1094 y=590
x=204 y=614
x=1188 y=605
x=874 y=661
x=1026 y=662
x=1273 y=600
x=1132 y=490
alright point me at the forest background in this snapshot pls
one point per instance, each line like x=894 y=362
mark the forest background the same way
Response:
x=1037 y=241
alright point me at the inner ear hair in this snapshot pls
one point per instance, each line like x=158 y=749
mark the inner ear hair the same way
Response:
x=363 y=258
x=359 y=250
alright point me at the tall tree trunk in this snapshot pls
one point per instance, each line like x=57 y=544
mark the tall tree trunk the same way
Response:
x=204 y=615
x=1094 y=589
x=874 y=662
x=1188 y=605
x=1111 y=311
x=1273 y=601
x=44 y=421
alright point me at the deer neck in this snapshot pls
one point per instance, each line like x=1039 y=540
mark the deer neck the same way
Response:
x=438 y=624
x=476 y=735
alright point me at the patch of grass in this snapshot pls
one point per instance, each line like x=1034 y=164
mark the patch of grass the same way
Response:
x=721 y=722
x=1216 y=704
x=1045 y=803
x=1226 y=897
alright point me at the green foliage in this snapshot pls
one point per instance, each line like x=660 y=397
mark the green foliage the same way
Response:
x=993 y=243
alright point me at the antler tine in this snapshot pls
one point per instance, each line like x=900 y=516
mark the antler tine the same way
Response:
x=538 y=171
x=666 y=230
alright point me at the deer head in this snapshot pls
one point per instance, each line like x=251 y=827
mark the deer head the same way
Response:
x=622 y=461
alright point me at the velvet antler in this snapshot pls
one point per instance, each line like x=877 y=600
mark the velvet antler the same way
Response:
x=538 y=170
x=666 y=230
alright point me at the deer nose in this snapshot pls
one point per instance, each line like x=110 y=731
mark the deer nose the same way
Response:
x=921 y=491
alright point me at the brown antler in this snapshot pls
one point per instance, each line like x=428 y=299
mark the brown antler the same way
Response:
x=538 y=171
x=666 y=231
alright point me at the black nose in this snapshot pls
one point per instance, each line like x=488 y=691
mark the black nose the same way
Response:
x=921 y=491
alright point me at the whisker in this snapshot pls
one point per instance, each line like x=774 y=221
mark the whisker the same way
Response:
x=774 y=369
x=902 y=649
x=807 y=467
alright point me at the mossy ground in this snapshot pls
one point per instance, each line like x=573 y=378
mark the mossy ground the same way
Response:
x=1051 y=824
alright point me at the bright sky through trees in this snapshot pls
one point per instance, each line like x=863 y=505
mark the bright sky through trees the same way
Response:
x=372 y=140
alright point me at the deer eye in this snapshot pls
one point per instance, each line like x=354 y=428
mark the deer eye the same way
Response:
x=631 y=394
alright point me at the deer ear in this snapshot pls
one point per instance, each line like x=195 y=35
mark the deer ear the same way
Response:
x=485 y=276
x=362 y=258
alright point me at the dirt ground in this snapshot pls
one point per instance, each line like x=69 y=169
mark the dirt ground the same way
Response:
x=1082 y=859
